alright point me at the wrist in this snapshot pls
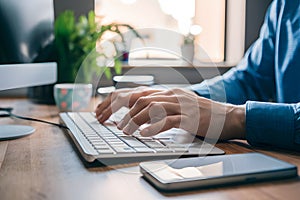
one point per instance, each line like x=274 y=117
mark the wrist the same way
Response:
x=236 y=118
x=240 y=114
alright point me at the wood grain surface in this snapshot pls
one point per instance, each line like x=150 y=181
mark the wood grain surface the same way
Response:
x=45 y=165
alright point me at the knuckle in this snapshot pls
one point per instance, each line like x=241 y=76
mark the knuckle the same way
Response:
x=113 y=93
x=127 y=117
x=119 y=98
x=140 y=88
x=168 y=92
x=172 y=120
x=176 y=90
x=130 y=122
x=142 y=101
x=133 y=122
x=154 y=105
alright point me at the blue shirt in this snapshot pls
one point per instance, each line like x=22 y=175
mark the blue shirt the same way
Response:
x=267 y=80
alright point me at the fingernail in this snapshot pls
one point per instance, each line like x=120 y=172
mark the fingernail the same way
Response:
x=120 y=125
x=127 y=130
x=99 y=117
x=145 y=132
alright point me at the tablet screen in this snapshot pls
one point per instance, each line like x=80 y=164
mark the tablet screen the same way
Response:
x=213 y=166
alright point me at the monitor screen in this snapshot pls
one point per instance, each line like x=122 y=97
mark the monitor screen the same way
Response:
x=26 y=43
x=26 y=49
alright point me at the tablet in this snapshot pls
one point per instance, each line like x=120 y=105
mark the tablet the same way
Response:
x=202 y=172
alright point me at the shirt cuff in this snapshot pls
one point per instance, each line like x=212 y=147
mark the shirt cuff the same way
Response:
x=270 y=124
x=201 y=89
x=213 y=89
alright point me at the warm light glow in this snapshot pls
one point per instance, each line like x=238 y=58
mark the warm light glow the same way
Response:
x=204 y=19
x=128 y=1
x=181 y=11
x=196 y=29
x=210 y=15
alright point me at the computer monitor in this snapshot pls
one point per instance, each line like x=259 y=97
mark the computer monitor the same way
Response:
x=26 y=42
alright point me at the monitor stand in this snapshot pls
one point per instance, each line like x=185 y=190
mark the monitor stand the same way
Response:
x=14 y=131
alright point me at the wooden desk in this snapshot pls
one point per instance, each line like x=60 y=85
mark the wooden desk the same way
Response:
x=45 y=165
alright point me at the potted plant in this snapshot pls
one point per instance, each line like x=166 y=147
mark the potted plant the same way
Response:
x=76 y=42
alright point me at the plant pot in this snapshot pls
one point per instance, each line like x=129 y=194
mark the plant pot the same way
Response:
x=187 y=52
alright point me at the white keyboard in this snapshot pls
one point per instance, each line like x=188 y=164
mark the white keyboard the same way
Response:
x=110 y=145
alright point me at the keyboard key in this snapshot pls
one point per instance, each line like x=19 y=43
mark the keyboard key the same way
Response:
x=177 y=145
x=146 y=139
x=101 y=129
x=116 y=139
x=154 y=144
x=115 y=143
x=101 y=146
x=88 y=117
x=105 y=134
x=120 y=145
x=113 y=128
x=137 y=134
x=93 y=137
x=91 y=134
x=119 y=134
x=144 y=150
x=110 y=137
x=89 y=131
x=131 y=141
x=163 y=150
x=179 y=149
x=106 y=151
x=124 y=150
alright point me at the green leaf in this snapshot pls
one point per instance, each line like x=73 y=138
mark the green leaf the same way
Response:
x=91 y=20
x=76 y=39
x=107 y=73
x=65 y=23
x=118 y=66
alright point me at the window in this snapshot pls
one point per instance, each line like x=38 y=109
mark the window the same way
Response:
x=205 y=20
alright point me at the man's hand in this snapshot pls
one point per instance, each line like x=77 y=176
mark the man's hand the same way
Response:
x=176 y=108
x=120 y=98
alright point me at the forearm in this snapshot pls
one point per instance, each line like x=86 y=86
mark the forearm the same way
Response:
x=237 y=86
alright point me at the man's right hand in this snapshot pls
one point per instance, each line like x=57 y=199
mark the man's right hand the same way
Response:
x=120 y=98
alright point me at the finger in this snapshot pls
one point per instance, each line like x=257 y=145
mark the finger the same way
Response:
x=167 y=123
x=101 y=106
x=163 y=92
x=111 y=97
x=142 y=103
x=140 y=92
x=120 y=99
x=175 y=91
x=156 y=111
x=112 y=108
